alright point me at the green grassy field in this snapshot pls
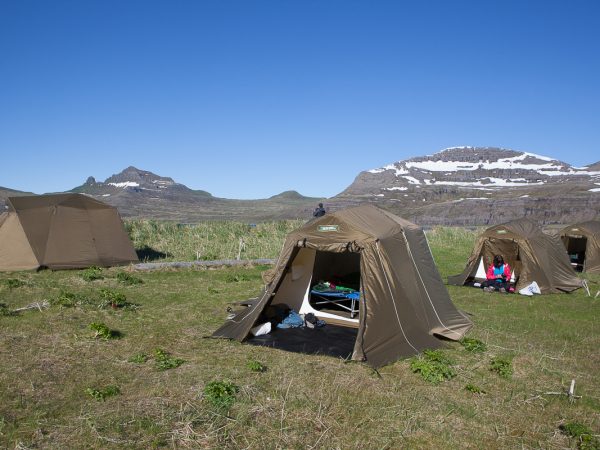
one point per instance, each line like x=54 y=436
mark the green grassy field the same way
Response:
x=169 y=241
x=61 y=387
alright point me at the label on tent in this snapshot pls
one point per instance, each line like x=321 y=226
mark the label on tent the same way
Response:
x=326 y=228
x=501 y=231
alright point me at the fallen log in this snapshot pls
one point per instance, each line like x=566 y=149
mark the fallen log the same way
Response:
x=188 y=264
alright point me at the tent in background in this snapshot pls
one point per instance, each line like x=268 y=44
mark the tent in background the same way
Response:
x=62 y=231
x=533 y=255
x=582 y=241
x=403 y=302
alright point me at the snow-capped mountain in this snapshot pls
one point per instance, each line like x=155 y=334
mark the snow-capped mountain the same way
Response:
x=143 y=194
x=135 y=180
x=456 y=186
x=478 y=168
x=480 y=185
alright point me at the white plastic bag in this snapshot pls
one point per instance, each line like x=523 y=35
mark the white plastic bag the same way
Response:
x=259 y=330
x=533 y=288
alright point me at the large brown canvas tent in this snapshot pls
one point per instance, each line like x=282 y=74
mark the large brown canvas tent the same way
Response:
x=62 y=231
x=403 y=301
x=582 y=242
x=533 y=255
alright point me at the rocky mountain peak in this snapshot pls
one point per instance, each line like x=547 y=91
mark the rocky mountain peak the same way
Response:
x=134 y=177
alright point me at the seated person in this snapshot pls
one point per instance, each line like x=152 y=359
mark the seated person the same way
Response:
x=498 y=276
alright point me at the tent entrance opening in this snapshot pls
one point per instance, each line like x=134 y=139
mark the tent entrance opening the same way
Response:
x=335 y=285
x=576 y=246
x=507 y=248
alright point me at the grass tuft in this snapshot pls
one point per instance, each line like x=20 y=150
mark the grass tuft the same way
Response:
x=502 y=366
x=5 y=311
x=256 y=366
x=128 y=279
x=433 y=366
x=103 y=393
x=164 y=361
x=101 y=331
x=208 y=240
x=14 y=283
x=474 y=389
x=68 y=299
x=92 y=273
x=139 y=358
x=584 y=436
x=221 y=394
x=473 y=345
x=236 y=278
x=112 y=298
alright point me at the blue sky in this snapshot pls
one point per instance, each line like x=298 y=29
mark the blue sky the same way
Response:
x=246 y=99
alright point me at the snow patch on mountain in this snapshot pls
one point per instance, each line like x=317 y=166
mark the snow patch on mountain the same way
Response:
x=516 y=162
x=397 y=170
x=481 y=168
x=125 y=184
x=411 y=180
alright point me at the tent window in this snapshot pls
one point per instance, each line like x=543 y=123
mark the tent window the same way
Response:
x=576 y=249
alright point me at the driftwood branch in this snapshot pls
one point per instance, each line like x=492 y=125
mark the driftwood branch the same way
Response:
x=570 y=393
x=36 y=305
x=188 y=264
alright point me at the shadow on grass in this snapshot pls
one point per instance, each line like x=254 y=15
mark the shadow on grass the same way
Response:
x=149 y=254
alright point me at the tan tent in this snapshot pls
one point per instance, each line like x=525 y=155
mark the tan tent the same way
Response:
x=531 y=253
x=403 y=301
x=582 y=241
x=63 y=231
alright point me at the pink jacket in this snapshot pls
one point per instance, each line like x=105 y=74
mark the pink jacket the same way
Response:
x=490 y=272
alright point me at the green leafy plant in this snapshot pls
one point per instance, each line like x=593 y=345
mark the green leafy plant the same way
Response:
x=212 y=290
x=221 y=394
x=13 y=283
x=126 y=278
x=103 y=393
x=165 y=361
x=473 y=345
x=139 y=358
x=502 y=366
x=68 y=300
x=236 y=278
x=208 y=256
x=256 y=366
x=101 y=331
x=474 y=389
x=92 y=273
x=113 y=299
x=4 y=311
x=585 y=437
x=433 y=366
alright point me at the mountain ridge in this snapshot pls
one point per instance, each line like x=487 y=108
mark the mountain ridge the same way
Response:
x=456 y=186
x=480 y=185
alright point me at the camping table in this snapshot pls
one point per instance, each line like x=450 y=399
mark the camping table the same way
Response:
x=336 y=297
